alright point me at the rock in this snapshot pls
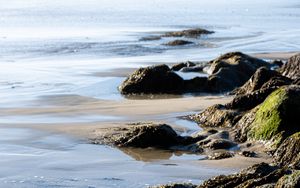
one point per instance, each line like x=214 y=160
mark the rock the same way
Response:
x=178 y=43
x=177 y=185
x=220 y=144
x=250 y=100
x=296 y=82
x=248 y=153
x=288 y=152
x=220 y=155
x=278 y=116
x=289 y=181
x=243 y=126
x=150 y=38
x=179 y=66
x=216 y=116
x=273 y=177
x=196 y=68
x=292 y=68
x=258 y=79
x=254 y=172
x=190 y=33
x=197 y=84
x=232 y=70
x=143 y=136
x=277 y=62
x=154 y=79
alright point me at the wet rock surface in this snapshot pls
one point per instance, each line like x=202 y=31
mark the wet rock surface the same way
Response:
x=220 y=155
x=216 y=116
x=288 y=153
x=179 y=66
x=178 y=43
x=225 y=74
x=189 y=33
x=292 y=68
x=154 y=79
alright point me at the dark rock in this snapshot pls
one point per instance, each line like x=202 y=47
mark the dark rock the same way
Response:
x=254 y=172
x=289 y=181
x=220 y=144
x=216 y=116
x=260 y=78
x=292 y=68
x=296 y=82
x=277 y=62
x=150 y=38
x=250 y=100
x=220 y=155
x=143 y=136
x=178 y=43
x=190 y=33
x=197 y=84
x=273 y=177
x=179 y=66
x=177 y=185
x=288 y=152
x=154 y=79
x=248 y=153
x=232 y=70
x=196 y=68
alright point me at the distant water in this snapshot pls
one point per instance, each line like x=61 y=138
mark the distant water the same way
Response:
x=49 y=47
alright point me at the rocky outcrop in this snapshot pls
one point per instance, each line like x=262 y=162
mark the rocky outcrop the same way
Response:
x=190 y=33
x=292 y=68
x=226 y=73
x=216 y=116
x=232 y=70
x=176 y=185
x=239 y=180
x=178 y=43
x=278 y=116
x=288 y=153
x=154 y=79
x=263 y=78
x=289 y=181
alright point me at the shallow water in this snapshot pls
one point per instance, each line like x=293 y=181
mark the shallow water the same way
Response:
x=55 y=48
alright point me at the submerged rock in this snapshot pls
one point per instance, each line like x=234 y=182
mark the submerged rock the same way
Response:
x=190 y=33
x=292 y=68
x=154 y=79
x=288 y=153
x=150 y=38
x=178 y=43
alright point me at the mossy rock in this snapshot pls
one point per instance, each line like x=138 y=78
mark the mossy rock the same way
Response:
x=289 y=181
x=278 y=116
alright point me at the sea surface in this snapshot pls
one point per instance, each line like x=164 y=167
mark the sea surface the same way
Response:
x=57 y=48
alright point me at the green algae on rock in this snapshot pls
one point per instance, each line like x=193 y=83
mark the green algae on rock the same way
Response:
x=278 y=116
